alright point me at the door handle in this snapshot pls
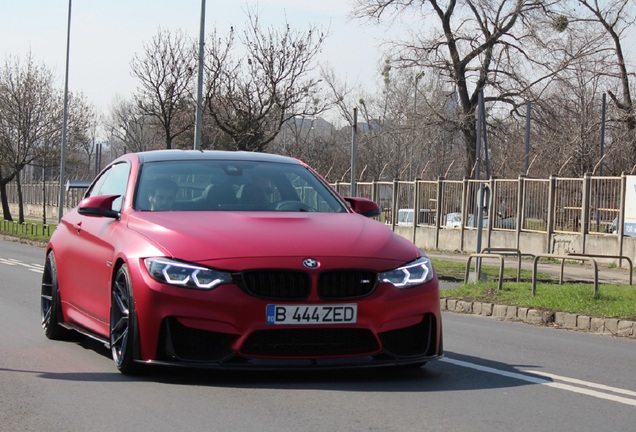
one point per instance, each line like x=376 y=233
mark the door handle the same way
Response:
x=78 y=226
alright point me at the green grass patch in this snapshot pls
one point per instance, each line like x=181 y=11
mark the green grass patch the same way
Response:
x=29 y=230
x=613 y=301
x=457 y=270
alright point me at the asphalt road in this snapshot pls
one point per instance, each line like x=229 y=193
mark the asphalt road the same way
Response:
x=496 y=376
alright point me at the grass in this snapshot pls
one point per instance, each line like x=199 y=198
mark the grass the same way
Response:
x=29 y=230
x=614 y=301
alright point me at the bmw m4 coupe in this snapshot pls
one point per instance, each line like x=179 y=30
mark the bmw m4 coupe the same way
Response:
x=236 y=260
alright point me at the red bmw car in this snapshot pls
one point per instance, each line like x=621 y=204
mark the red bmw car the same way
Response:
x=236 y=260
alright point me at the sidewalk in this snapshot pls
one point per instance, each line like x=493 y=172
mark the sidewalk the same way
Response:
x=572 y=271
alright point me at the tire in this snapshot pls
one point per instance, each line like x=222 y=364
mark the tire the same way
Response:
x=50 y=303
x=123 y=325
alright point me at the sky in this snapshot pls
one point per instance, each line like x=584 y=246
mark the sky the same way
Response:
x=105 y=35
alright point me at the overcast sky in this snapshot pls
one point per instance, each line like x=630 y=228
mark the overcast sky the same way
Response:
x=105 y=35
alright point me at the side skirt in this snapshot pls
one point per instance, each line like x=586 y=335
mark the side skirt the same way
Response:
x=87 y=333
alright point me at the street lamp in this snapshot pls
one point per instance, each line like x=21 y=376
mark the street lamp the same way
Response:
x=417 y=79
x=199 y=112
x=60 y=210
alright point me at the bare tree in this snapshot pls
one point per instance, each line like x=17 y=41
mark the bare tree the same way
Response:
x=614 y=18
x=82 y=129
x=131 y=130
x=30 y=112
x=510 y=49
x=165 y=70
x=251 y=92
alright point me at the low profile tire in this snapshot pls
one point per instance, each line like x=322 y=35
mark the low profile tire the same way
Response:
x=50 y=303
x=123 y=327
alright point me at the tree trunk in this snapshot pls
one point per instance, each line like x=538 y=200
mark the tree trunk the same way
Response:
x=6 y=212
x=20 y=200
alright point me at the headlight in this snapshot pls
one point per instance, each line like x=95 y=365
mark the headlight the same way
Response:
x=414 y=273
x=186 y=275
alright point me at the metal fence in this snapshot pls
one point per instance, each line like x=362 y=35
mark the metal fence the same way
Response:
x=44 y=194
x=570 y=205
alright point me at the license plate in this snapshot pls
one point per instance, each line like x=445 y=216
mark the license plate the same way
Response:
x=312 y=314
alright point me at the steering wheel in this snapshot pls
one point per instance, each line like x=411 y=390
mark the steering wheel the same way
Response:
x=291 y=205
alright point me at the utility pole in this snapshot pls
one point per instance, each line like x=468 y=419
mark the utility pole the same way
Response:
x=60 y=211
x=199 y=112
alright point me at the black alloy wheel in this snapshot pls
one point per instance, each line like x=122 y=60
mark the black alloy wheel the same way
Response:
x=50 y=303
x=123 y=324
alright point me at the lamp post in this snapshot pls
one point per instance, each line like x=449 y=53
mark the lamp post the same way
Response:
x=417 y=79
x=60 y=210
x=199 y=112
x=354 y=135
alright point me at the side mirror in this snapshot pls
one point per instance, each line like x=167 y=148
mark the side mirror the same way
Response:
x=364 y=206
x=99 y=206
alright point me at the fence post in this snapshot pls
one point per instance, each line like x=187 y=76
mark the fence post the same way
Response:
x=491 y=209
x=462 y=230
x=551 y=210
x=439 y=211
x=585 y=208
x=620 y=223
x=374 y=191
x=416 y=206
x=394 y=204
x=521 y=208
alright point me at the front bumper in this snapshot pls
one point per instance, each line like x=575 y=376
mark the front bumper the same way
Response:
x=225 y=328
x=325 y=348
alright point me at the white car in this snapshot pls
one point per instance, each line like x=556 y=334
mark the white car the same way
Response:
x=453 y=220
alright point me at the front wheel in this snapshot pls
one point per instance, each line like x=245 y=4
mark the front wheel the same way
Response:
x=50 y=303
x=123 y=329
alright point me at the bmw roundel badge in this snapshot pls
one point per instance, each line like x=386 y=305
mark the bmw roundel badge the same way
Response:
x=310 y=263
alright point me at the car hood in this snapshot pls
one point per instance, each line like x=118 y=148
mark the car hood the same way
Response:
x=210 y=236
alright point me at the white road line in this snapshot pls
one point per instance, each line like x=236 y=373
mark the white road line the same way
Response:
x=37 y=268
x=550 y=382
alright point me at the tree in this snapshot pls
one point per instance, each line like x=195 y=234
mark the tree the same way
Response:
x=507 y=50
x=614 y=18
x=251 y=93
x=30 y=114
x=81 y=136
x=131 y=130
x=165 y=70
x=403 y=130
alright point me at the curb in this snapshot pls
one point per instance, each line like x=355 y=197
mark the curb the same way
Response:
x=564 y=320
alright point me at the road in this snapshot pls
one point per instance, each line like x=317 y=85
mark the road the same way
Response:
x=496 y=376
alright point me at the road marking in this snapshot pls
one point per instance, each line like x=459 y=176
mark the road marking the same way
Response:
x=37 y=268
x=586 y=388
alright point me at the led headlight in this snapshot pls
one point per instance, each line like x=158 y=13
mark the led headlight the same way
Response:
x=178 y=273
x=414 y=273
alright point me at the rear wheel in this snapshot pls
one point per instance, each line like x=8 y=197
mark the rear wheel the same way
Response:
x=50 y=303
x=123 y=329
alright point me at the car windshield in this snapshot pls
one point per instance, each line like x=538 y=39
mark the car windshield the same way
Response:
x=206 y=185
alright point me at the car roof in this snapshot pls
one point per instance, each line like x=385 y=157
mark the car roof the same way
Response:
x=184 y=155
